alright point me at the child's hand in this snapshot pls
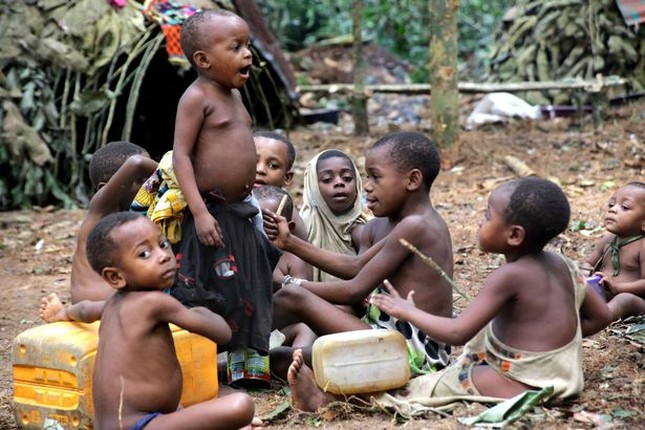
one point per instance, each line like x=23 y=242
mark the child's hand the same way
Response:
x=392 y=303
x=208 y=230
x=276 y=227
x=611 y=286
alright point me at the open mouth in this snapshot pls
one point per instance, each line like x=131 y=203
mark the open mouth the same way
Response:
x=245 y=71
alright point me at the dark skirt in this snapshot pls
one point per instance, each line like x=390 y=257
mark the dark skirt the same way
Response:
x=233 y=281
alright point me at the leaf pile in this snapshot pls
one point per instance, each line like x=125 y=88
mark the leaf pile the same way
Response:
x=546 y=40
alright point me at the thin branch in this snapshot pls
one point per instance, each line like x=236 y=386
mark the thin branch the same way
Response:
x=430 y=262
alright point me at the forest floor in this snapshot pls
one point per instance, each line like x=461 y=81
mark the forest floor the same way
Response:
x=588 y=160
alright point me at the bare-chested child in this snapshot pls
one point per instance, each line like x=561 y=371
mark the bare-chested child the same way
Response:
x=136 y=260
x=401 y=168
x=214 y=160
x=619 y=256
x=525 y=327
x=116 y=171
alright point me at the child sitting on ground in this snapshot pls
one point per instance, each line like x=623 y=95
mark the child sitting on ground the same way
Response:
x=116 y=171
x=619 y=256
x=332 y=207
x=525 y=327
x=135 y=258
x=401 y=168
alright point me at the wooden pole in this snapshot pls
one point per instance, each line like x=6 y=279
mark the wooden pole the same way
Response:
x=359 y=98
x=591 y=85
x=444 y=102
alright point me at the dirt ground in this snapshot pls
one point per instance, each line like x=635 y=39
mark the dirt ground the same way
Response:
x=588 y=161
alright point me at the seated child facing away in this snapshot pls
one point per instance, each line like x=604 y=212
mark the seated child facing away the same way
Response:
x=525 y=327
x=401 y=168
x=619 y=256
x=116 y=171
x=133 y=388
x=332 y=207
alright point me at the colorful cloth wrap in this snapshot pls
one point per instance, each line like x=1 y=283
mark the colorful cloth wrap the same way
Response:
x=633 y=11
x=170 y=15
x=234 y=281
x=161 y=200
x=425 y=355
x=560 y=369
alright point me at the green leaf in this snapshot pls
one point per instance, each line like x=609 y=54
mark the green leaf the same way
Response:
x=621 y=413
x=89 y=102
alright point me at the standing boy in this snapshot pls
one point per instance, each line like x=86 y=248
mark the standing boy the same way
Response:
x=401 y=168
x=619 y=257
x=223 y=259
x=525 y=327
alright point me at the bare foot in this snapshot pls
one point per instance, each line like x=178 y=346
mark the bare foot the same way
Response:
x=305 y=393
x=256 y=423
x=52 y=309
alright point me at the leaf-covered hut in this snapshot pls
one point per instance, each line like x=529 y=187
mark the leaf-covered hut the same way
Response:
x=76 y=74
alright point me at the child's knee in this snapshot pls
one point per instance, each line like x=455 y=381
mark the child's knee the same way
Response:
x=243 y=406
x=626 y=304
x=290 y=295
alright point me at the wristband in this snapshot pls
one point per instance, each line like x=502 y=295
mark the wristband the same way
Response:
x=288 y=279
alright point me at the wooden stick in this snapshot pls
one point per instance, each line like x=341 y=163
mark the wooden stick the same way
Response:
x=518 y=166
x=430 y=262
x=592 y=85
x=283 y=202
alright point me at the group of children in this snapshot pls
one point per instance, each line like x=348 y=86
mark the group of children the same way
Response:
x=341 y=265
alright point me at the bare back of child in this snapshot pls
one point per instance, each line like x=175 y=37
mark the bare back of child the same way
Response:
x=529 y=316
x=136 y=259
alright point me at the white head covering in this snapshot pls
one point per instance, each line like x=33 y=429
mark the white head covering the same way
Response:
x=325 y=229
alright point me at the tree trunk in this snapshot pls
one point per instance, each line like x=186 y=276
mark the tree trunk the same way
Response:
x=359 y=98
x=444 y=102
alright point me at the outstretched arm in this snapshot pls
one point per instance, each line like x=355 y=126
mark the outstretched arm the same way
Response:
x=198 y=320
x=340 y=265
x=453 y=331
x=118 y=192
x=53 y=310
